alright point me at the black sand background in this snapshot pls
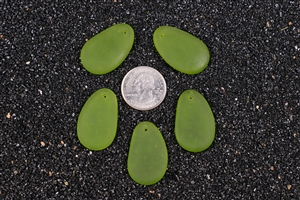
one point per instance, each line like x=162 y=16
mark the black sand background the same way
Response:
x=252 y=84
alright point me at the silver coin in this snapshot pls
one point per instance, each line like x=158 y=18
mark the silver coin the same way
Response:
x=143 y=88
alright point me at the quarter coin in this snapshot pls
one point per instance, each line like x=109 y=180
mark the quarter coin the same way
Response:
x=143 y=88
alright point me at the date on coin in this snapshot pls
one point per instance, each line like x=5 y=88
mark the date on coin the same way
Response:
x=143 y=88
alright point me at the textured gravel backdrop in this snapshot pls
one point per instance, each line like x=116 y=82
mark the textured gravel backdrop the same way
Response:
x=252 y=84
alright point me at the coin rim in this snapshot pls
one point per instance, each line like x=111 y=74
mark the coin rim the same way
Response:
x=150 y=108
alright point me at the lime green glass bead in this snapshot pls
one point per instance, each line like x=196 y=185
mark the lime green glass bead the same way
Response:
x=148 y=155
x=194 y=122
x=181 y=50
x=98 y=119
x=108 y=49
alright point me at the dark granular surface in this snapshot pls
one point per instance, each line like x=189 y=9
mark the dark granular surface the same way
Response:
x=252 y=84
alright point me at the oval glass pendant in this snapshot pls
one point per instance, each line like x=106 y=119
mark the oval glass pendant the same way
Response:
x=194 y=122
x=181 y=50
x=108 y=49
x=148 y=155
x=98 y=119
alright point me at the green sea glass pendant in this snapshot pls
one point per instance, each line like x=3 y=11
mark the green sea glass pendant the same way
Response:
x=181 y=50
x=98 y=119
x=148 y=155
x=108 y=49
x=194 y=122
